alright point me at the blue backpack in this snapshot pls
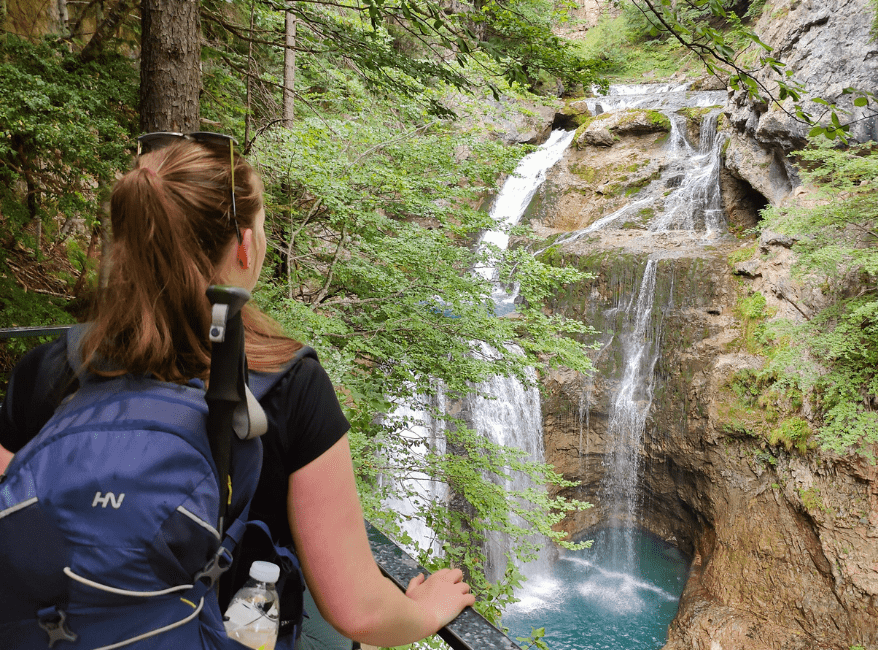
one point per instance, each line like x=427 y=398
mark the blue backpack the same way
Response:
x=109 y=520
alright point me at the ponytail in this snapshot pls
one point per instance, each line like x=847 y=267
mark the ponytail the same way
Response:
x=171 y=227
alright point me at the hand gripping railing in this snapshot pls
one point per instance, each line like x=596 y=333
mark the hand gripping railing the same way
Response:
x=469 y=631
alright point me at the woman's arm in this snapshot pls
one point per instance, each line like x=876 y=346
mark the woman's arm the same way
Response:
x=327 y=524
x=5 y=457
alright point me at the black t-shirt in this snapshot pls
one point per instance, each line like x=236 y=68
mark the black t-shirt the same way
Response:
x=304 y=420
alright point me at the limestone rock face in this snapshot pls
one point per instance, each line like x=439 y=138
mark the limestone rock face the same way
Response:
x=828 y=45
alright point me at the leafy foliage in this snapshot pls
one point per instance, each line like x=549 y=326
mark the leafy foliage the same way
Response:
x=793 y=433
x=625 y=48
x=65 y=131
x=832 y=359
x=403 y=47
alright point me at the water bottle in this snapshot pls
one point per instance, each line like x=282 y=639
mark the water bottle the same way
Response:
x=252 y=616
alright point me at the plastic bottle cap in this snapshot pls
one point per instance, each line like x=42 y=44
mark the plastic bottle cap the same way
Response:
x=264 y=571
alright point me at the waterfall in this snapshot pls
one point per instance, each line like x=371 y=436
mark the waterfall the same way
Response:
x=664 y=97
x=513 y=417
x=696 y=204
x=509 y=206
x=424 y=434
x=694 y=207
x=693 y=204
x=599 y=598
x=630 y=407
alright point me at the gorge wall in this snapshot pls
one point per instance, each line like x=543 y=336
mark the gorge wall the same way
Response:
x=784 y=546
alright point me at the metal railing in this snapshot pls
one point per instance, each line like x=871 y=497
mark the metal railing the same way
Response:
x=469 y=631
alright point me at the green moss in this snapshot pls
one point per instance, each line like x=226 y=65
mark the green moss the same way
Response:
x=585 y=172
x=640 y=183
x=657 y=118
x=743 y=254
x=725 y=146
x=753 y=312
x=583 y=121
x=812 y=500
x=660 y=119
x=793 y=433
x=696 y=113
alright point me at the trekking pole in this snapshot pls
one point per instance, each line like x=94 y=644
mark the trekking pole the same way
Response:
x=226 y=392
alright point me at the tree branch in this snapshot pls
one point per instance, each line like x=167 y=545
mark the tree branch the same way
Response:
x=325 y=290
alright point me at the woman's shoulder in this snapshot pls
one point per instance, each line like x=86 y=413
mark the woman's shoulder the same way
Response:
x=295 y=373
x=38 y=383
x=304 y=414
x=43 y=363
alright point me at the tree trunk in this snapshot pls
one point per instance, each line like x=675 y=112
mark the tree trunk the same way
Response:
x=289 y=70
x=63 y=18
x=250 y=72
x=170 y=65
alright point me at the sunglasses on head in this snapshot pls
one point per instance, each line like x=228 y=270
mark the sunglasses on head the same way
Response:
x=154 y=141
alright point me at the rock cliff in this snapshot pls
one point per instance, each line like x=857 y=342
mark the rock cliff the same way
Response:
x=829 y=47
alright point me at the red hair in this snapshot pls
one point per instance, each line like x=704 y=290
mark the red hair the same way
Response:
x=171 y=225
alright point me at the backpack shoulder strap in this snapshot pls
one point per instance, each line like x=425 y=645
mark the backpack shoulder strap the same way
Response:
x=261 y=383
x=75 y=336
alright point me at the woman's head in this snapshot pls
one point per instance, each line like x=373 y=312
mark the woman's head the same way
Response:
x=174 y=233
x=184 y=189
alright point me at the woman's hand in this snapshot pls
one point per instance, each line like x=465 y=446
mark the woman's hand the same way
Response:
x=444 y=593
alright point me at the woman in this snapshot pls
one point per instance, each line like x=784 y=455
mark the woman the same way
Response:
x=186 y=217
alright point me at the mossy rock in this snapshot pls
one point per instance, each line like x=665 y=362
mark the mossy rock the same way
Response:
x=641 y=121
x=695 y=114
x=585 y=172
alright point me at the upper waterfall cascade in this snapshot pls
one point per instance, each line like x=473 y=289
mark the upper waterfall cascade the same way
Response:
x=510 y=204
